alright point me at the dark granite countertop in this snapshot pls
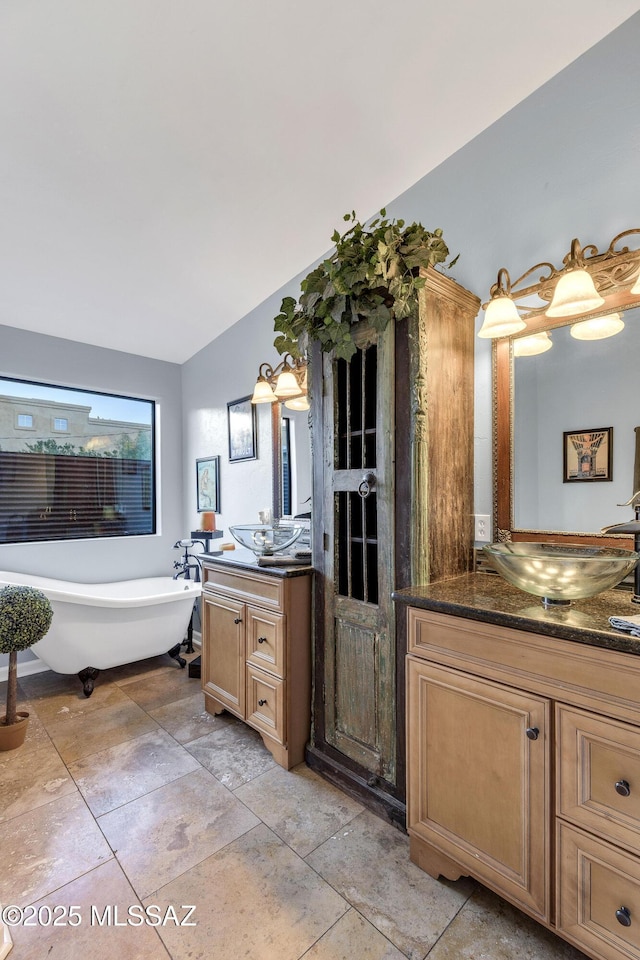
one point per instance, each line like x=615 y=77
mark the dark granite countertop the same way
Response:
x=246 y=560
x=490 y=599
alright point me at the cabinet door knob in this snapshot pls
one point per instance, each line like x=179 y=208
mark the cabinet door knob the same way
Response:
x=261 y=703
x=623 y=788
x=623 y=916
x=262 y=639
x=533 y=733
x=238 y=620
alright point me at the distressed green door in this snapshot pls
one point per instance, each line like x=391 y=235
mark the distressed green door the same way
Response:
x=359 y=633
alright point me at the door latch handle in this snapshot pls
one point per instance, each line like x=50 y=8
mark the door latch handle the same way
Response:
x=366 y=485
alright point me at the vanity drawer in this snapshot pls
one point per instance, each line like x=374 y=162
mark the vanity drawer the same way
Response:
x=265 y=640
x=265 y=703
x=596 y=884
x=598 y=775
x=246 y=585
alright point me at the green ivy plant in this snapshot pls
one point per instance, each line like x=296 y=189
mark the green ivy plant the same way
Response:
x=25 y=617
x=373 y=274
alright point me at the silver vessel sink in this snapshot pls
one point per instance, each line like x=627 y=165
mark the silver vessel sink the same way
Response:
x=560 y=572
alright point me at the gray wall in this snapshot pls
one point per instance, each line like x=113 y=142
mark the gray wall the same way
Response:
x=562 y=164
x=63 y=362
x=226 y=370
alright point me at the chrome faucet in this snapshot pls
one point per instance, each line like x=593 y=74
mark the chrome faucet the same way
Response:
x=631 y=526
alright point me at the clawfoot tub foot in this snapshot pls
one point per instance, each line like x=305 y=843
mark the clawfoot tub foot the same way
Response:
x=175 y=653
x=87 y=679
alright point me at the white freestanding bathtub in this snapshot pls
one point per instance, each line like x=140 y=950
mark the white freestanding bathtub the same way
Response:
x=100 y=625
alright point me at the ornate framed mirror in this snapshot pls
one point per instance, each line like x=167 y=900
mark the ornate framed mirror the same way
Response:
x=577 y=393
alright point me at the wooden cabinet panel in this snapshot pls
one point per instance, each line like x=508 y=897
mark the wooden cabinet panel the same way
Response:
x=602 y=680
x=480 y=799
x=223 y=653
x=265 y=703
x=393 y=499
x=595 y=881
x=265 y=640
x=481 y=791
x=256 y=654
x=598 y=773
x=246 y=585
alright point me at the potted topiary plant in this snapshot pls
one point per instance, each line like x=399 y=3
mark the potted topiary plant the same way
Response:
x=373 y=274
x=25 y=617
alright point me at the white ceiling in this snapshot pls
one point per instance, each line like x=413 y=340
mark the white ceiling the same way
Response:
x=165 y=165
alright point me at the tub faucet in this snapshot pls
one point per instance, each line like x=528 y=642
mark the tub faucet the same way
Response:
x=631 y=526
x=184 y=566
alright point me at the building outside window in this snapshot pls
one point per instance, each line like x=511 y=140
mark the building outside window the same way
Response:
x=98 y=480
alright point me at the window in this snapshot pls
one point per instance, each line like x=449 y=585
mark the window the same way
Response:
x=96 y=481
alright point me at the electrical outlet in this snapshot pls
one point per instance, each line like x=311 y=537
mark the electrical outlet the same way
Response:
x=483 y=528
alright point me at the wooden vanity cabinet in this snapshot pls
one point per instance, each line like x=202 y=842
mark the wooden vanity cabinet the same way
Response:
x=481 y=796
x=524 y=772
x=256 y=654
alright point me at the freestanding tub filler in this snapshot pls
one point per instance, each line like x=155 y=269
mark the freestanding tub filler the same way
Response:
x=96 y=626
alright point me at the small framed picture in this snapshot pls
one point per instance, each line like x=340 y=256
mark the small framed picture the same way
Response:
x=208 y=484
x=587 y=454
x=242 y=429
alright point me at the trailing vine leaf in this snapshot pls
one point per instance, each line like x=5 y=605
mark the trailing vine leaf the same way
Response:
x=373 y=274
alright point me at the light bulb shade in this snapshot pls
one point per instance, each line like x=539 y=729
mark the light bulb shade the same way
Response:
x=263 y=393
x=287 y=386
x=501 y=318
x=533 y=345
x=598 y=328
x=575 y=292
x=298 y=403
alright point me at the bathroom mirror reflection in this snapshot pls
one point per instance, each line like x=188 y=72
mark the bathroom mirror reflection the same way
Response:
x=291 y=466
x=577 y=385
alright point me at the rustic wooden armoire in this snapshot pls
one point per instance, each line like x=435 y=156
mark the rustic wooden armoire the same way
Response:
x=392 y=506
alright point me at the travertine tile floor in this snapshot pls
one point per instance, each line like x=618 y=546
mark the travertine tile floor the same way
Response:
x=123 y=810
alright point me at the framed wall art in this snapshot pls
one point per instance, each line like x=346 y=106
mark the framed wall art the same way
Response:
x=587 y=454
x=208 y=484
x=242 y=430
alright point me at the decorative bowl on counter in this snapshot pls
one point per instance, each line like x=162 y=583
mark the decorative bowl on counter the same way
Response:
x=265 y=539
x=560 y=572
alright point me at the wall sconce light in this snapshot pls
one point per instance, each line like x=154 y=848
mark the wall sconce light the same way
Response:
x=587 y=282
x=533 y=345
x=286 y=382
x=598 y=328
x=501 y=317
x=575 y=290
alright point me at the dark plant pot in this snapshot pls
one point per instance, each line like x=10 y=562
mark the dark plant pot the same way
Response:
x=12 y=736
